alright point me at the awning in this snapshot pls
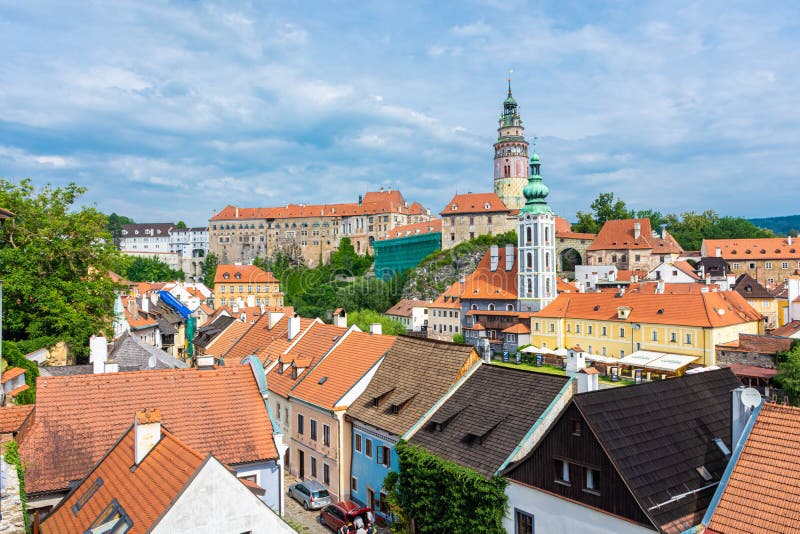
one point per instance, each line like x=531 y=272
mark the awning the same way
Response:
x=558 y=352
x=531 y=349
x=601 y=359
x=750 y=371
x=702 y=369
x=660 y=361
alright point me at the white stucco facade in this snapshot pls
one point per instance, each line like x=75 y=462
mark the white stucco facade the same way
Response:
x=554 y=515
x=214 y=501
x=537 y=261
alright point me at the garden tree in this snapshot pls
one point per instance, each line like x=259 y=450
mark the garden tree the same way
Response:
x=150 y=270
x=788 y=377
x=114 y=226
x=345 y=260
x=180 y=225
x=604 y=208
x=209 y=269
x=54 y=263
x=442 y=496
x=458 y=338
x=364 y=318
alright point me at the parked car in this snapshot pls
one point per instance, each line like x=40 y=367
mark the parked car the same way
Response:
x=311 y=494
x=336 y=515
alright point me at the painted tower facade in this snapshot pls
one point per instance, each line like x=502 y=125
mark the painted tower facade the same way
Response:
x=536 y=244
x=510 y=155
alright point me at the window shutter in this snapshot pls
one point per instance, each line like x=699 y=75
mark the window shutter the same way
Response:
x=378 y=453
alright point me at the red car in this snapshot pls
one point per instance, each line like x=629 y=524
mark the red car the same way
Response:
x=336 y=515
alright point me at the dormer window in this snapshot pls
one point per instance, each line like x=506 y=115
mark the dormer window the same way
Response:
x=487 y=206
x=454 y=207
x=238 y=276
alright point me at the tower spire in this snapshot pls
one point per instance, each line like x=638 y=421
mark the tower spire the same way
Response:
x=509 y=82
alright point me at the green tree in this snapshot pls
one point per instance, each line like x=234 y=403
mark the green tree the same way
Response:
x=54 y=261
x=364 y=318
x=458 y=338
x=210 y=269
x=788 y=377
x=604 y=208
x=345 y=261
x=114 y=226
x=151 y=270
x=180 y=225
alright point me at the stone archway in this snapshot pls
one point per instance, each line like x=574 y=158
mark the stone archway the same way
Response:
x=568 y=259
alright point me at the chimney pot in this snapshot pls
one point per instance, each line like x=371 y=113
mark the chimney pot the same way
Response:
x=98 y=353
x=294 y=326
x=147 y=432
x=376 y=328
x=637 y=230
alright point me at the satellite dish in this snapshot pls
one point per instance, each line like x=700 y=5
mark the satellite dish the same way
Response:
x=151 y=363
x=751 y=397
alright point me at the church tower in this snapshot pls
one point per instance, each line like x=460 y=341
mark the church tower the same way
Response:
x=510 y=155
x=536 y=244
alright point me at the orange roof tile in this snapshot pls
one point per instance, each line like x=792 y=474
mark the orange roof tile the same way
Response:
x=19 y=389
x=144 y=493
x=424 y=227
x=619 y=235
x=767 y=248
x=12 y=417
x=342 y=368
x=686 y=267
x=312 y=346
x=474 y=203
x=519 y=328
x=11 y=373
x=713 y=309
x=243 y=274
x=227 y=339
x=77 y=417
x=565 y=287
x=450 y=298
x=403 y=307
x=763 y=491
x=259 y=336
x=499 y=284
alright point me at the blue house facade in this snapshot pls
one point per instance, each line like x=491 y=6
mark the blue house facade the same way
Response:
x=374 y=456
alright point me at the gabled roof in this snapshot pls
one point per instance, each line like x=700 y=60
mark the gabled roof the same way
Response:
x=450 y=298
x=749 y=288
x=305 y=353
x=487 y=284
x=12 y=417
x=619 y=235
x=144 y=493
x=130 y=352
x=712 y=309
x=788 y=329
x=76 y=418
x=242 y=274
x=413 y=376
x=474 y=203
x=341 y=369
x=259 y=335
x=767 y=248
x=771 y=344
x=762 y=493
x=211 y=329
x=657 y=434
x=487 y=416
x=226 y=339
x=686 y=268
x=405 y=306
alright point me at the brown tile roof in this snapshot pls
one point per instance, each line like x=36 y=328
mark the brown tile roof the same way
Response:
x=750 y=288
x=767 y=248
x=499 y=284
x=342 y=368
x=788 y=329
x=12 y=417
x=413 y=376
x=424 y=227
x=474 y=203
x=763 y=491
x=242 y=274
x=752 y=371
x=712 y=309
x=313 y=344
x=144 y=493
x=619 y=235
x=464 y=416
x=764 y=344
x=403 y=308
x=76 y=418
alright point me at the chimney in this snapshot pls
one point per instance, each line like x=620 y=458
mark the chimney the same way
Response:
x=718 y=252
x=743 y=402
x=340 y=318
x=237 y=212
x=376 y=328
x=637 y=230
x=587 y=379
x=663 y=231
x=576 y=360
x=146 y=432
x=145 y=304
x=708 y=279
x=294 y=326
x=494 y=257
x=235 y=306
x=98 y=353
x=789 y=240
x=660 y=287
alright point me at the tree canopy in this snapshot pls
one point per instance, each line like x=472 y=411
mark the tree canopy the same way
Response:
x=139 y=269
x=364 y=318
x=114 y=226
x=788 y=377
x=54 y=263
x=210 y=269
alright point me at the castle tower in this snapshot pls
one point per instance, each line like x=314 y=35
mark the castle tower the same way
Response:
x=536 y=245
x=510 y=155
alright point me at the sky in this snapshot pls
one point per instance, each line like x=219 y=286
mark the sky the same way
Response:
x=169 y=111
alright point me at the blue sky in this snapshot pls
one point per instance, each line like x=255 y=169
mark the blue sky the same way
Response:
x=168 y=111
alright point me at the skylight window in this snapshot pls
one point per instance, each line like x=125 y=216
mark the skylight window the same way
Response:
x=703 y=472
x=322 y=380
x=112 y=520
x=88 y=494
x=724 y=448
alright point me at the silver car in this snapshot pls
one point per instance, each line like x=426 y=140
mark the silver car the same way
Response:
x=311 y=494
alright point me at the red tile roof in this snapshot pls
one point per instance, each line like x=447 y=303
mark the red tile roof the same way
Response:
x=763 y=344
x=619 y=235
x=499 y=284
x=519 y=328
x=474 y=203
x=767 y=248
x=763 y=491
x=144 y=493
x=403 y=307
x=788 y=329
x=342 y=368
x=424 y=227
x=259 y=336
x=686 y=267
x=242 y=274
x=76 y=418
x=713 y=309
x=564 y=230
x=12 y=417
x=752 y=371
x=11 y=373
x=451 y=298
x=226 y=339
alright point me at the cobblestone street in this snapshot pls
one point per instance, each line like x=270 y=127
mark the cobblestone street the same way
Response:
x=304 y=521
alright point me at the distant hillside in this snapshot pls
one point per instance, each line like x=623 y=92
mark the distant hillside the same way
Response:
x=779 y=225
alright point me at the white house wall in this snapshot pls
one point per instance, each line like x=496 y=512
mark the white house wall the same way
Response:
x=553 y=515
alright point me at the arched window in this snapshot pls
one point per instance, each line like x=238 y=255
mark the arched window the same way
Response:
x=530 y=287
x=546 y=234
x=491 y=307
x=547 y=287
x=528 y=235
x=473 y=307
x=529 y=260
x=509 y=307
x=547 y=261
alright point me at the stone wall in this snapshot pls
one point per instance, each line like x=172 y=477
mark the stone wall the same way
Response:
x=758 y=359
x=12 y=521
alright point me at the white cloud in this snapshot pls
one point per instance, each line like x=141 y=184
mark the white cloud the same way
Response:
x=474 y=29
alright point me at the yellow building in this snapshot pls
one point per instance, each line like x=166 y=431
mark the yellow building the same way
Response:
x=246 y=286
x=616 y=325
x=759 y=298
x=770 y=260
